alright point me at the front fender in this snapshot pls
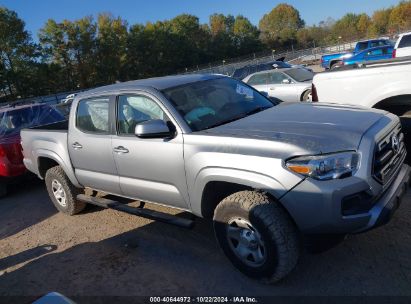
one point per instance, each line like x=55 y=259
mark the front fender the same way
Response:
x=245 y=178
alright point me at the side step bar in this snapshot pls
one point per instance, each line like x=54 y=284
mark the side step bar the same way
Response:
x=147 y=213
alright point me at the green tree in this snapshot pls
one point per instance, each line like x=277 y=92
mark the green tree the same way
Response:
x=81 y=43
x=280 y=26
x=346 y=28
x=246 y=36
x=222 y=36
x=220 y=23
x=363 y=25
x=54 y=42
x=400 y=18
x=194 y=39
x=379 y=22
x=111 y=49
x=17 y=54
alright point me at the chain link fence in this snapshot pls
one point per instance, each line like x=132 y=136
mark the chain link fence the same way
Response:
x=304 y=56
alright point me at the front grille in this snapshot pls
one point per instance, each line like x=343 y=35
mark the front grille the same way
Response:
x=389 y=154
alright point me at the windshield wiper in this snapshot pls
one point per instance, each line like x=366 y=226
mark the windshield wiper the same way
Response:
x=227 y=121
x=253 y=111
x=256 y=110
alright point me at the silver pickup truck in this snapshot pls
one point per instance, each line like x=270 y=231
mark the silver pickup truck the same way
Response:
x=266 y=174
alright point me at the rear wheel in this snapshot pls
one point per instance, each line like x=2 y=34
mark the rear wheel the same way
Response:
x=336 y=65
x=62 y=192
x=257 y=236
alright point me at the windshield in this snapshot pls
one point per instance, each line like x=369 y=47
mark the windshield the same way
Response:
x=300 y=75
x=211 y=103
x=13 y=120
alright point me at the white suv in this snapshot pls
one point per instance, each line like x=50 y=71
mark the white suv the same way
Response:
x=403 y=46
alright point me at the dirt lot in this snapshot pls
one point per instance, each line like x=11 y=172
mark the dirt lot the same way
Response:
x=103 y=252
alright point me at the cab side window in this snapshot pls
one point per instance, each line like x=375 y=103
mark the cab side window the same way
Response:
x=258 y=79
x=277 y=78
x=132 y=110
x=93 y=115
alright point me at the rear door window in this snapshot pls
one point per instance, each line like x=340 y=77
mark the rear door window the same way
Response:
x=93 y=115
x=405 y=41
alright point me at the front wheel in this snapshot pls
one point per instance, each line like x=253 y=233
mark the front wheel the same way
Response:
x=62 y=192
x=307 y=96
x=257 y=236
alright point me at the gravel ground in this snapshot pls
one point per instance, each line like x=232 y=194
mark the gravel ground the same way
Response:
x=104 y=252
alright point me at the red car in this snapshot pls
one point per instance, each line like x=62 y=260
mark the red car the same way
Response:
x=12 y=120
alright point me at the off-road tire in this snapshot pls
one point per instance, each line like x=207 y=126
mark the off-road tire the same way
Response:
x=72 y=205
x=280 y=235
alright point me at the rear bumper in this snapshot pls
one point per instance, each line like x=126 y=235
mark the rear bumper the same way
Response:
x=316 y=206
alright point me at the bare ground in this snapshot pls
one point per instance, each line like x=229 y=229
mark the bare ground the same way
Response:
x=104 y=252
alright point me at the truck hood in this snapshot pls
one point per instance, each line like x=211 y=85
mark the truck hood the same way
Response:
x=309 y=127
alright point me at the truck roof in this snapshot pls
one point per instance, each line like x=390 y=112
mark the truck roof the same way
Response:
x=159 y=83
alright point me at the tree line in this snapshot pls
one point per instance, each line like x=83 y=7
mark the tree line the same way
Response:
x=89 y=52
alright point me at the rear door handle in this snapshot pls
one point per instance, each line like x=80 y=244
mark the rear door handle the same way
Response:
x=272 y=89
x=120 y=149
x=76 y=146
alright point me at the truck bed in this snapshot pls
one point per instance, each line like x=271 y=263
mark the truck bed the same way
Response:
x=365 y=84
x=49 y=141
x=57 y=126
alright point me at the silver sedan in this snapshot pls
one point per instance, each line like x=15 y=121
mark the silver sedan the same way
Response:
x=292 y=84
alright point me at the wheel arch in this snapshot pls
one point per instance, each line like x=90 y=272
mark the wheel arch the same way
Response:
x=334 y=61
x=47 y=159
x=303 y=93
x=397 y=104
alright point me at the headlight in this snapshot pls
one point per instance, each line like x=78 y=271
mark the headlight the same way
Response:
x=325 y=167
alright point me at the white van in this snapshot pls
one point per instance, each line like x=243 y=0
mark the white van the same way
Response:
x=403 y=46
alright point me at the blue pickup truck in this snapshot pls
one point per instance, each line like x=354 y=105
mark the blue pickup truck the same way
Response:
x=334 y=60
x=376 y=53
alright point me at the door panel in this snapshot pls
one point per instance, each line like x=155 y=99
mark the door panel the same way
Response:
x=152 y=170
x=90 y=146
x=283 y=91
x=149 y=169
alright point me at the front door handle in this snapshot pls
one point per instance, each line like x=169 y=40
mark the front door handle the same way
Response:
x=120 y=149
x=272 y=88
x=76 y=146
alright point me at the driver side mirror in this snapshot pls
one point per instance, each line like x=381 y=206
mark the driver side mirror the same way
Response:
x=286 y=81
x=154 y=128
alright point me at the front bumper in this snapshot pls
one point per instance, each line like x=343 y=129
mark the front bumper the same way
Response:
x=316 y=206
